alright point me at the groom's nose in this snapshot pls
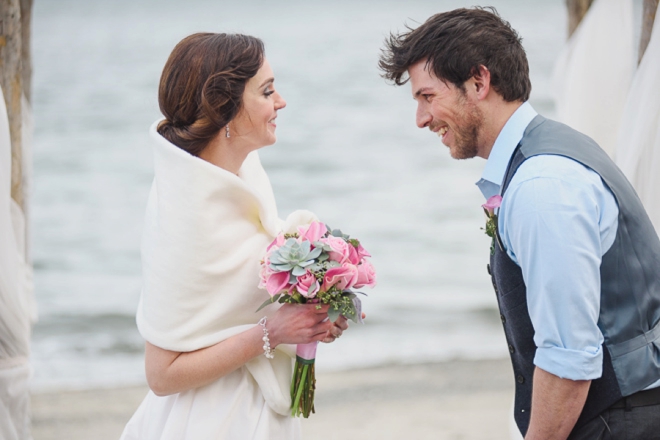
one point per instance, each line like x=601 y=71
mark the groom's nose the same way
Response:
x=423 y=118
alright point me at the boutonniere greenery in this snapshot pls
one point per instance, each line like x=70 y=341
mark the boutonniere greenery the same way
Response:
x=489 y=207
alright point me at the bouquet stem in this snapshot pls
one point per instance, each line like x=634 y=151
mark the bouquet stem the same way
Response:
x=303 y=383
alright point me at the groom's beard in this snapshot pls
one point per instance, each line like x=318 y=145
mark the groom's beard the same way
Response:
x=466 y=133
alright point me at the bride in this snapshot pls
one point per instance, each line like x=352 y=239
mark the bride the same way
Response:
x=210 y=216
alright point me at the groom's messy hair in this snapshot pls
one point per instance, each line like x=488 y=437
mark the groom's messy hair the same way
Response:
x=454 y=45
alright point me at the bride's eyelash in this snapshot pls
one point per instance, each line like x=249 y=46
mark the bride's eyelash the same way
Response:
x=267 y=92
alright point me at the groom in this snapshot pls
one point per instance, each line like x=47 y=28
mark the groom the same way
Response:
x=575 y=261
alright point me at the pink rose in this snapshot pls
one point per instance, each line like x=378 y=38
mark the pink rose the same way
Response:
x=491 y=204
x=264 y=274
x=366 y=275
x=362 y=252
x=308 y=285
x=312 y=232
x=277 y=282
x=353 y=255
x=343 y=277
x=341 y=251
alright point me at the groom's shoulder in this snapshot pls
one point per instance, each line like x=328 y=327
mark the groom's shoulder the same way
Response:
x=547 y=136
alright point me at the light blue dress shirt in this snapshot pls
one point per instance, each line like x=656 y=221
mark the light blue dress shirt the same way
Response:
x=556 y=221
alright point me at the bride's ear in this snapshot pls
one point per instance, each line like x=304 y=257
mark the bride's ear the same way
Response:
x=480 y=82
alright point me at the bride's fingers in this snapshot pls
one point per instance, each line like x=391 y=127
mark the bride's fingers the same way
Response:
x=341 y=323
x=330 y=337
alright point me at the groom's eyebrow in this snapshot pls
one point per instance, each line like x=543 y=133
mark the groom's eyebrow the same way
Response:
x=420 y=91
x=269 y=80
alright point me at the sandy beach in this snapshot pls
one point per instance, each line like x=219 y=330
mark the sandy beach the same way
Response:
x=467 y=400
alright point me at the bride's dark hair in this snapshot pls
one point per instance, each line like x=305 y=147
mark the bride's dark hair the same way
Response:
x=202 y=85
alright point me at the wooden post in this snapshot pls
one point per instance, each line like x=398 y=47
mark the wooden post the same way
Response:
x=577 y=9
x=11 y=78
x=26 y=48
x=648 y=17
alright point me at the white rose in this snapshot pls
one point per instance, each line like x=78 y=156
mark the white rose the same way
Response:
x=298 y=218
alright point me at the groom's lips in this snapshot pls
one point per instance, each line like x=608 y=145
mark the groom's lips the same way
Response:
x=441 y=131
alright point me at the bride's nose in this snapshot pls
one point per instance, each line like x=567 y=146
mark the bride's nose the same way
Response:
x=279 y=102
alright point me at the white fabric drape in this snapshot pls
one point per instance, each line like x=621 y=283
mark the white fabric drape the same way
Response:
x=638 y=144
x=205 y=233
x=16 y=301
x=594 y=71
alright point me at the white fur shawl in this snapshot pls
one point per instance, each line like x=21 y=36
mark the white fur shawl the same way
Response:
x=205 y=232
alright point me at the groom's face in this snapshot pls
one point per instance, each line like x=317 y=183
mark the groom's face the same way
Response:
x=446 y=110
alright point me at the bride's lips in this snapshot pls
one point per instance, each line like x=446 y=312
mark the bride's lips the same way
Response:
x=272 y=122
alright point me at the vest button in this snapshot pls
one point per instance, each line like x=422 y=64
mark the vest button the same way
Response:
x=511 y=349
x=503 y=319
x=488 y=268
x=520 y=379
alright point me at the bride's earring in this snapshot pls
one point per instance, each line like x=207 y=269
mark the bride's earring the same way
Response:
x=227 y=131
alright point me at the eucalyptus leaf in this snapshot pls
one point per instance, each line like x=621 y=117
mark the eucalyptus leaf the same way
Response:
x=269 y=301
x=333 y=314
x=311 y=289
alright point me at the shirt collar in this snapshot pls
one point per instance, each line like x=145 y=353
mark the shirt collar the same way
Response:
x=505 y=144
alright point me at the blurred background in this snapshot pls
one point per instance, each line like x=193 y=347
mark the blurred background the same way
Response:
x=348 y=149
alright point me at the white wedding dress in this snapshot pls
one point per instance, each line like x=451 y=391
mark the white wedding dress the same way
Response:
x=638 y=144
x=17 y=306
x=205 y=232
x=594 y=70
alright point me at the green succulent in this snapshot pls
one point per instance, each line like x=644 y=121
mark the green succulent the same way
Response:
x=294 y=257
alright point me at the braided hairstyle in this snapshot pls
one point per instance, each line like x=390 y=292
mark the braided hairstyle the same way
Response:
x=202 y=86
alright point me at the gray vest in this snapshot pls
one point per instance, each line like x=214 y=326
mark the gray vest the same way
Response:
x=630 y=283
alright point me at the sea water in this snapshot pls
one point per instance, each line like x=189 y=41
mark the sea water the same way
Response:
x=348 y=149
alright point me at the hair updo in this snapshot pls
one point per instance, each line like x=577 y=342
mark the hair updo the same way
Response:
x=202 y=86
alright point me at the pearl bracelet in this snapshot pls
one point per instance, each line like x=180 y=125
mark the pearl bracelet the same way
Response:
x=270 y=354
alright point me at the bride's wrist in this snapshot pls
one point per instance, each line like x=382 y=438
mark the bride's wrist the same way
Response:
x=267 y=339
x=273 y=335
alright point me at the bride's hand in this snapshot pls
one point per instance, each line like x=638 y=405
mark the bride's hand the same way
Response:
x=337 y=329
x=299 y=324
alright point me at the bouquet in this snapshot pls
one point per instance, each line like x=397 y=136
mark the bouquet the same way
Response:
x=318 y=265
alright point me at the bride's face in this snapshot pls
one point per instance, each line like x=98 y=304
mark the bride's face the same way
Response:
x=255 y=123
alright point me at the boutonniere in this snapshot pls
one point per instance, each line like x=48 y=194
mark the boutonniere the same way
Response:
x=489 y=207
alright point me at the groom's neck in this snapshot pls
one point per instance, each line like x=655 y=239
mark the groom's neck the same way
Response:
x=496 y=112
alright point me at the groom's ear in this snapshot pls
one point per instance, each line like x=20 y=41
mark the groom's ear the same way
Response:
x=480 y=82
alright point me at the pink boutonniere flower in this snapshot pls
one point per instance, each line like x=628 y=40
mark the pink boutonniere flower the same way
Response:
x=489 y=207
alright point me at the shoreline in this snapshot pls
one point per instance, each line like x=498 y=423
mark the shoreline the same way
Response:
x=459 y=399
